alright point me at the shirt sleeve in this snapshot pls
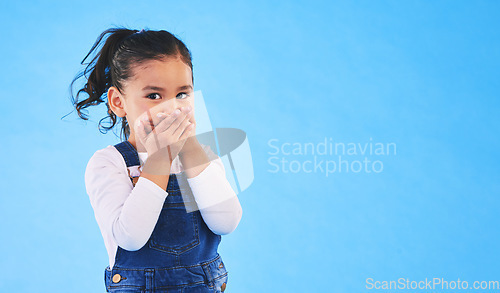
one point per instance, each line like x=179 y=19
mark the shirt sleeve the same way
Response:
x=127 y=213
x=217 y=201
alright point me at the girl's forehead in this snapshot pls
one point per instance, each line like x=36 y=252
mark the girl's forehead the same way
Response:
x=162 y=71
x=160 y=64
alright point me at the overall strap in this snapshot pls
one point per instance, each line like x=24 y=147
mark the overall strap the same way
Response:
x=129 y=153
x=131 y=157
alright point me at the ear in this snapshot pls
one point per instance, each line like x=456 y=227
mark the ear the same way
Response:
x=115 y=101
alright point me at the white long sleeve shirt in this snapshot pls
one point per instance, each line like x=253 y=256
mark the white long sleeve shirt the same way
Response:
x=127 y=214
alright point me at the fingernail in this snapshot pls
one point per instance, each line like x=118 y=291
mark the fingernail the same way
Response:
x=159 y=115
x=177 y=111
x=188 y=108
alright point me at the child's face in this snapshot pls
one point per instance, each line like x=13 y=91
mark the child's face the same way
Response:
x=157 y=86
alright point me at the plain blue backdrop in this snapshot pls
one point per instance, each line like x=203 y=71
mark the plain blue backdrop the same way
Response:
x=420 y=74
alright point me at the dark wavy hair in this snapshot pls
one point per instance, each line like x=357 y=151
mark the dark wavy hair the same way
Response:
x=112 y=65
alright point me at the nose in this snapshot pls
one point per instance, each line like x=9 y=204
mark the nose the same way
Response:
x=170 y=105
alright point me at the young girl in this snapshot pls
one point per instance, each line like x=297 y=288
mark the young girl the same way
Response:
x=160 y=198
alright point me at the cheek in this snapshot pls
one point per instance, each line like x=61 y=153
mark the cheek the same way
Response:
x=192 y=115
x=190 y=102
x=140 y=111
x=186 y=102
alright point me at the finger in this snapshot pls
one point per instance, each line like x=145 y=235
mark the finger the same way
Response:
x=192 y=120
x=152 y=118
x=181 y=117
x=180 y=120
x=141 y=136
x=187 y=132
x=166 y=123
x=159 y=117
x=146 y=121
x=178 y=132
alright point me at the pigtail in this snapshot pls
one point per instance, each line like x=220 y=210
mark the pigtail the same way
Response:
x=98 y=74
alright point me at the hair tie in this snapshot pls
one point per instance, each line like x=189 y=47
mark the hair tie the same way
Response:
x=141 y=31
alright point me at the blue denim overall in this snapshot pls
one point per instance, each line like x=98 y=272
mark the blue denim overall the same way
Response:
x=180 y=255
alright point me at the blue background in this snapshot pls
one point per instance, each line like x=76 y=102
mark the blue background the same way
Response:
x=420 y=74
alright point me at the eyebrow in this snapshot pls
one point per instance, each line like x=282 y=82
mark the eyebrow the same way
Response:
x=157 y=88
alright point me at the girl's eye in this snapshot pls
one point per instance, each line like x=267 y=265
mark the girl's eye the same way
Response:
x=154 y=96
x=180 y=94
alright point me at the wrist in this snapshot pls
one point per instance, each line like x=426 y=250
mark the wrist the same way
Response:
x=161 y=156
x=191 y=146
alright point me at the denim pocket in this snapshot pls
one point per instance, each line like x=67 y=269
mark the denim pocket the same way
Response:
x=176 y=230
x=219 y=275
x=220 y=283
